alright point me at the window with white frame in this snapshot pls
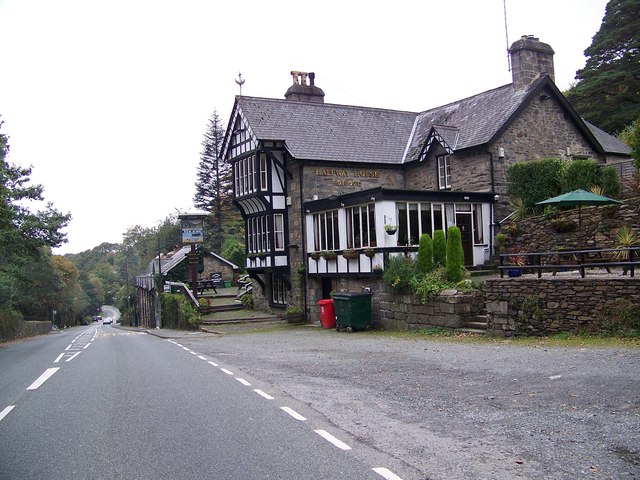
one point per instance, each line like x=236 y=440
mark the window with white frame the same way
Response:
x=444 y=172
x=325 y=231
x=278 y=291
x=258 y=237
x=278 y=231
x=263 y=172
x=246 y=175
x=478 y=225
x=361 y=226
x=416 y=218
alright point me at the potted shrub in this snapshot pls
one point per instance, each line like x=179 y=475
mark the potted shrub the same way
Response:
x=350 y=254
x=329 y=255
x=391 y=229
x=517 y=260
x=294 y=314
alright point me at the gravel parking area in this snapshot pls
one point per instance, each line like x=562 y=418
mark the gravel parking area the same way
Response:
x=447 y=410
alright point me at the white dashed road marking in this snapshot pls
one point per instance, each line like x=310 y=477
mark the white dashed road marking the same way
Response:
x=243 y=381
x=6 y=411
x=213 y=364
x=59 y=358
x=43 y=378
x=72 y=356
x=262 y=394
x=330 y=438
x=386 y=473
x=228 y=372
x=293 y=413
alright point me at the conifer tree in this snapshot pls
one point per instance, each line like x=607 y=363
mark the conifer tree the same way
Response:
x=608 y=89
x=455 y=255
x=439 y=248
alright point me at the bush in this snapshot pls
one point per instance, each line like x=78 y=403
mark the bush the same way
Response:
x=10 y=324
x=398 y=272
x=534 y=181
x=580 y=174
x=439 y=248
x=425 y=254
x=247 y=301
x=610 y=182
x=455 y=255
x=178 y=312
x=430 y=284
x=501 y=243
x=623 y=319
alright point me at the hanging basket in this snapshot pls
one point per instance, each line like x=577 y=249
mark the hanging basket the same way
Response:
x=391 y=231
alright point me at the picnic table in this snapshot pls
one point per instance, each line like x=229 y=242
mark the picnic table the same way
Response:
x=206 y=285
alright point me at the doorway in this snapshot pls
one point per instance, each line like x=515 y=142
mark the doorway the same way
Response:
x=463 y=222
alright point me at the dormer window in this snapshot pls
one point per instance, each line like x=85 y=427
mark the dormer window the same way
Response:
x=444 y=172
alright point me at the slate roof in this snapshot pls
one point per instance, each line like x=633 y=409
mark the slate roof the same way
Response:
x=342 y=133
x=609 y=143
x=177 y=257
x=322 y=131
x=476 y=118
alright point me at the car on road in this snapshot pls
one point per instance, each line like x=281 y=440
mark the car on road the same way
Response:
x=107 y=320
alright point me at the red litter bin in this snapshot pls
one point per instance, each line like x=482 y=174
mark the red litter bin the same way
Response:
x=327 y=313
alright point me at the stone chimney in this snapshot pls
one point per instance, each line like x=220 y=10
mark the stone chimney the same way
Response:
x=304 y=89
x=530 y=59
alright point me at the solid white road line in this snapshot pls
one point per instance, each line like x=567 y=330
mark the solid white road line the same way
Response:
x=6 y=411
x=213 y=364
x=293 y=413
x=59 y=358
x=228 y=372
x=43 y=378
x=262 y=394
x=72 y=356
x=243 y=381
x=338 y=443
x=386 y=473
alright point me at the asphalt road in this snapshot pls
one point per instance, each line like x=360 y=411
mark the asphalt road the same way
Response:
x=105 y=403
x=438 y=410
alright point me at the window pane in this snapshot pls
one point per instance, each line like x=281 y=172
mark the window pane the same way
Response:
x=278 y=230
x=478 y=233
x=357 y=229
x=437 y=217
x=425 y=219
x=403 y=226
x=413 y=224
x=372 y=226
x=350 y=235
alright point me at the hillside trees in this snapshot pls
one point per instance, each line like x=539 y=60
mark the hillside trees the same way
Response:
x=28 y=279
x=608 y=89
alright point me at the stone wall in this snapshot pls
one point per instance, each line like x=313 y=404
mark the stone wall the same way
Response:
x=531 y=306
x=449 y=309
x=598 y=230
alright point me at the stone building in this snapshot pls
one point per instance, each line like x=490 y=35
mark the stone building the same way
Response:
x=328 y=191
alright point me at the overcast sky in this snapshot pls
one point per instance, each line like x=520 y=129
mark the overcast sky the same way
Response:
x=109 y=100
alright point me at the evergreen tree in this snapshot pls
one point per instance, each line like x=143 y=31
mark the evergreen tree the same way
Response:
x=425 y=254
x=214 y=191
x=455 y=255
x=439 y=248
x=608 y=89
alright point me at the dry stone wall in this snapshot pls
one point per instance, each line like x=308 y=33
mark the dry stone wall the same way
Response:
x=531 y=306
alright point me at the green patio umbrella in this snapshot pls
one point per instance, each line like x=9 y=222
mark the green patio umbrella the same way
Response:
x=578 y=198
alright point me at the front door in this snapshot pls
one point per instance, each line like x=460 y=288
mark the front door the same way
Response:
x=463 y=222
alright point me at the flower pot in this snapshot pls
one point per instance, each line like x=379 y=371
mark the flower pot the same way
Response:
x=514 y=272
x=391 y=232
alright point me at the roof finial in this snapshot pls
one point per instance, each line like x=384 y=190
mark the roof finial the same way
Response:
x=240 y=82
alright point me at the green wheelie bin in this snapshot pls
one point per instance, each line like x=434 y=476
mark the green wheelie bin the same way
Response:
x=353 y=310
